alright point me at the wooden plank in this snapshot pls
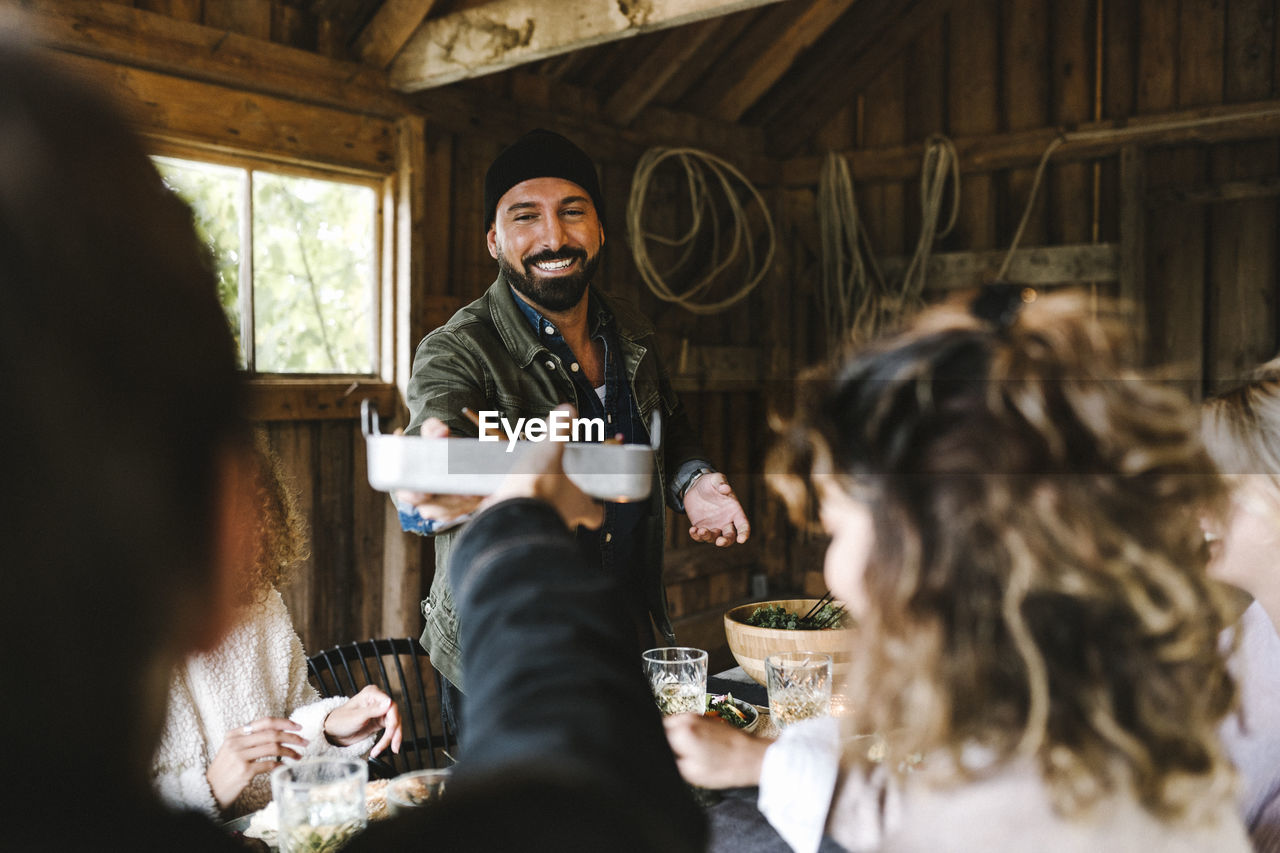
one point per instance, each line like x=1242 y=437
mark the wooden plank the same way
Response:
x=340 y=585
x=1133 y=237
x=1043 y=265
x=1242 y=252
x=152 y=41
x=1157 y=62
x=412 y=259
x=315 y=399
x=730 y=29
x=850 y=36
x=390 y=29
x=796 y=122
x=227 y=119
x=250 y=18
x=995 y=151
x=1119 y=62
x=663 y=63
x=184 y=10
x=1217 y=193
x=973 y=107
x=293 y=28
x=505 y=33
x=884 y=123
x=368 y=558
x=1026 y=102
x=1070 y=185
x=764 y=55
x=1175 y=242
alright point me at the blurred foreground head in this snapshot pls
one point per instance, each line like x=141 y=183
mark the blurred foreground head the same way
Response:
x=1034 y=581
x=121 y=410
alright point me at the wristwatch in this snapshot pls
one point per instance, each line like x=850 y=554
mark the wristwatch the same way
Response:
x=693 y=479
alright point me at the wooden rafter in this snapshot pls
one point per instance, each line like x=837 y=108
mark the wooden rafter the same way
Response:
x=764 y=55
x=663 y=62
x=506 y=33
x=153 y=41
x=851 y=71
x=390 y=29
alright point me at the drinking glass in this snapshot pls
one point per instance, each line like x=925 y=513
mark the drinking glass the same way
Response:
x=415 y=788
x=321 y=803
x=678 y=677
x=799 y=686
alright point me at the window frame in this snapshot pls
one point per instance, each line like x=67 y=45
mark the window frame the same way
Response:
x=251 y=164
x=316 y=396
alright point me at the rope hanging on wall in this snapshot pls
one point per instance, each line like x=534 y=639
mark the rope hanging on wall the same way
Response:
x=856 y=299
x=702 y=172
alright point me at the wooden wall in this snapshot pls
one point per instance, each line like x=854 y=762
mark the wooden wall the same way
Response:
x=991 y=67
x=978 y=70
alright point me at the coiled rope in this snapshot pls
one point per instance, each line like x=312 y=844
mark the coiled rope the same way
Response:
x=856 y=299
x=702 y=171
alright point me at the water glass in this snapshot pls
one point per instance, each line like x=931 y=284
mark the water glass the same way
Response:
x=414 y=789
x=321 y=803
x=678 y=677
x=799 y=686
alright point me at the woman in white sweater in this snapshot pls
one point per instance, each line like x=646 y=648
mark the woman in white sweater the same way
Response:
x=237 y=711
x=1013 y=519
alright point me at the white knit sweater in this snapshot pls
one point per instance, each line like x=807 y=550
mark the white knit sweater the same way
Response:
x=260 y=670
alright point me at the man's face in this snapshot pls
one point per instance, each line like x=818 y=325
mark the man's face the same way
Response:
x=546 y=237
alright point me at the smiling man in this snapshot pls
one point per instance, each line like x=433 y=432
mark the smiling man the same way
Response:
x=544 y=334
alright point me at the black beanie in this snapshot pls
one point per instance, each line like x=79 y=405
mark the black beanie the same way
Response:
x=539 y=154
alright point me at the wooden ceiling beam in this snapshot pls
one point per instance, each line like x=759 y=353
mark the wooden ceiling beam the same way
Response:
x=155 y=42
x=768 y=51
x=390 y=29
x=848 y=37
x=663 y=62
x=799 y=120
x=505 y=33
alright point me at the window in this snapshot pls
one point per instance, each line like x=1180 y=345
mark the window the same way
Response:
x=297 y=257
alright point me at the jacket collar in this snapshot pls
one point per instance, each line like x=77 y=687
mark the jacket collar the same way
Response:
x=519 y=337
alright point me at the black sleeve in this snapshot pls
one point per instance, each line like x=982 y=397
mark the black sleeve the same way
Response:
x=554 y=688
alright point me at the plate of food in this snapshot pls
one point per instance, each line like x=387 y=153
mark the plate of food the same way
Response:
x=735 y=712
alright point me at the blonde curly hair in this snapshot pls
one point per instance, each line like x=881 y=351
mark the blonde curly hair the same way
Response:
x=1037 y=582
x=281 y=533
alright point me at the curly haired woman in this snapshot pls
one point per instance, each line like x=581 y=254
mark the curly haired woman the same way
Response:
x=236 y=711
x=1013 y=518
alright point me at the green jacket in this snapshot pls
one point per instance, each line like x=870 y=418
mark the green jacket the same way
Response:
x=487 y=357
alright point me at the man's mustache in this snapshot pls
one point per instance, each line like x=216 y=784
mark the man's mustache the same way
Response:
x=558 y=255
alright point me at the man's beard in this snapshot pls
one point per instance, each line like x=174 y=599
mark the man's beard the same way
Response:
x=552 y=293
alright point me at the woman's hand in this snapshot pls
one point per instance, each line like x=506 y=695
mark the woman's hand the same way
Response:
x=713 y=754
x=238 y=759
x=361 y=716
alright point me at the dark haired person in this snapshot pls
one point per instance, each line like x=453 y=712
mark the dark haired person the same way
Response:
x=1013 y=519
x=545 y=334
x=124 y=459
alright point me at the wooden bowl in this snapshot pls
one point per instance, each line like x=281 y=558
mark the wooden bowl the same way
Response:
x=751 y=645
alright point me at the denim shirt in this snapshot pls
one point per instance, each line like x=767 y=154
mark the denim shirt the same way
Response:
x=615 y=544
